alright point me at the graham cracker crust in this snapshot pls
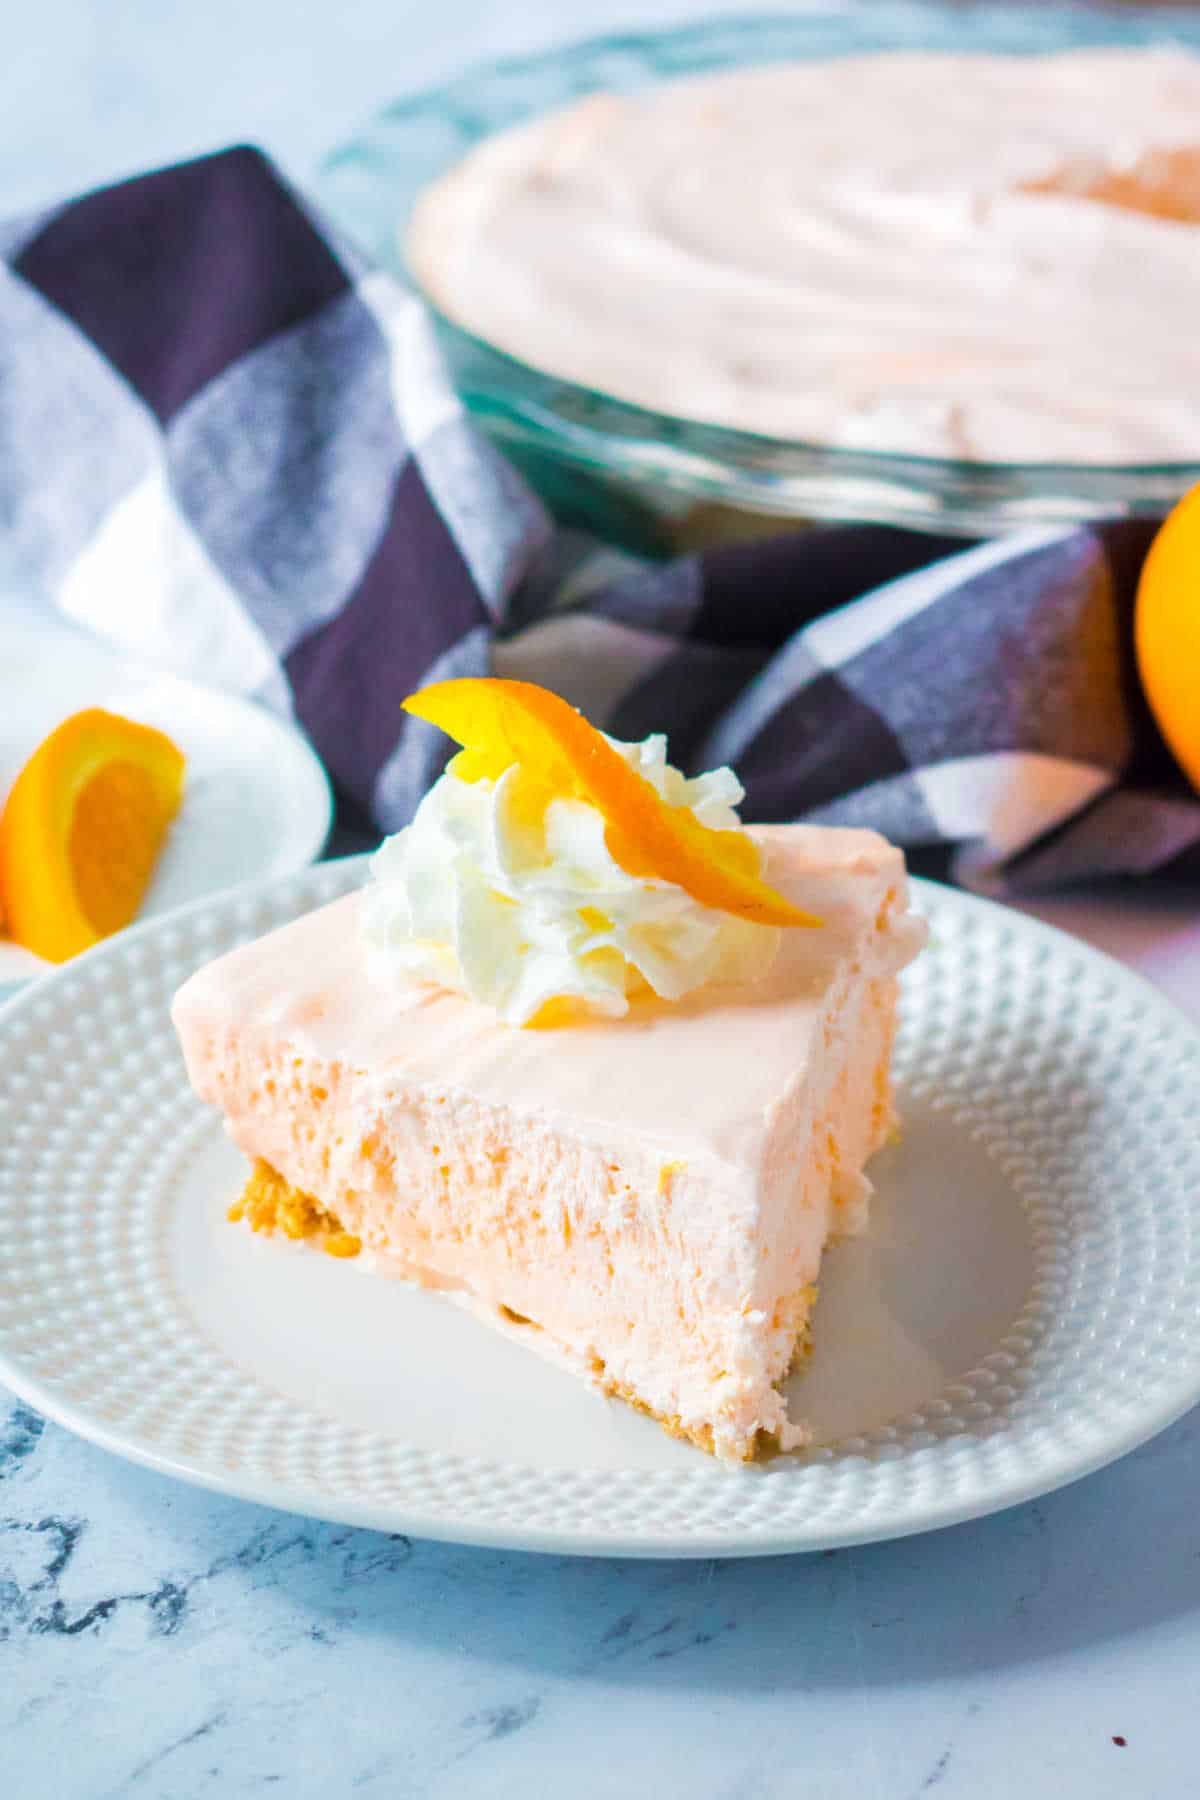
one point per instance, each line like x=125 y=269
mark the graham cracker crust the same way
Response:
x=268 y=1204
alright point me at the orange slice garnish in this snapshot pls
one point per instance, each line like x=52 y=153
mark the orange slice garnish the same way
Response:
x=500 y=723
x=82 y=829
x=1167 y=631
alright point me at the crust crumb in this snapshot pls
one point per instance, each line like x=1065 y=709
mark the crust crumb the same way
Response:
x=268 y=1204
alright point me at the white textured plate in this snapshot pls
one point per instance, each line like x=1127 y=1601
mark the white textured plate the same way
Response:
x=1024 y=1309
x=256 y=801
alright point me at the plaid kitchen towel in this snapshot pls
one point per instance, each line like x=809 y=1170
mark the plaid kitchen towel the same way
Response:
x=228 y=445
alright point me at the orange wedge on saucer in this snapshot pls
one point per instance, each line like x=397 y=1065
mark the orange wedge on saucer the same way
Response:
x=1167 y=632
x=504 y=722
x=82 y=829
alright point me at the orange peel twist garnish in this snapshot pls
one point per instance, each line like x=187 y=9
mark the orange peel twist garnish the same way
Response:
x=500 y=723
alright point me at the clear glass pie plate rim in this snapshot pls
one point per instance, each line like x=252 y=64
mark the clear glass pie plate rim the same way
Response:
x=369 y=183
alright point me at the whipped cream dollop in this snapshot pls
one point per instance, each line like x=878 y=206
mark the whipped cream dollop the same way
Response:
x=521 y=905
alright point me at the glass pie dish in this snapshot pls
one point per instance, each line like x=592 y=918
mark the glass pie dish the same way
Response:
x=660 y=482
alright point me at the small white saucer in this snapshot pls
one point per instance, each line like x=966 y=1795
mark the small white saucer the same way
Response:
x=256 y=801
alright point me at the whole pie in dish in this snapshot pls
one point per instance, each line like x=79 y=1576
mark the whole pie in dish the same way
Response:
x=972 y=256
x=586 y=1054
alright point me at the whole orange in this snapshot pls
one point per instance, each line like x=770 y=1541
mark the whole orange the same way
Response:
x=1167 y=631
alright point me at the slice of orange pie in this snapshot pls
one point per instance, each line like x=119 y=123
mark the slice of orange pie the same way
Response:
x=585 y=1053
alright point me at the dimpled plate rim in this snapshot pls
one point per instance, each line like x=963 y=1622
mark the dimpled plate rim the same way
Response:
x=998 y=1014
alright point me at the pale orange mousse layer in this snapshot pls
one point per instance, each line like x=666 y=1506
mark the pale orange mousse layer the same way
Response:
x=647 y=1199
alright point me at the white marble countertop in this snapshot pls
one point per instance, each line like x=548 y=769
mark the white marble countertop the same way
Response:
x=160 y=1642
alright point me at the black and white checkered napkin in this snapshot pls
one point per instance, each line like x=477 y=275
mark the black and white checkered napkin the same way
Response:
x=227 y=445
